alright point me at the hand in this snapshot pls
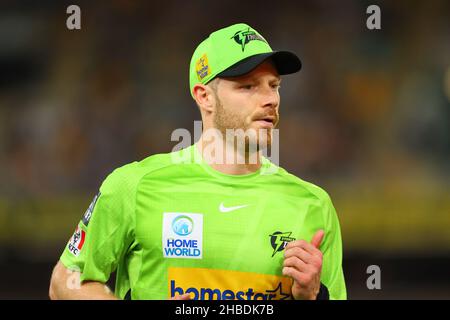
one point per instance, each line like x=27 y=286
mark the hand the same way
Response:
x=303 y=263
x=185 y=296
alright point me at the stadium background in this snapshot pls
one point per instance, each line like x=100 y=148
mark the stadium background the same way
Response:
x=367 y=119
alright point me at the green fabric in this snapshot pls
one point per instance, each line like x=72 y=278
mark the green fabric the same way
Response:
x=125 y=231
x=222 y=49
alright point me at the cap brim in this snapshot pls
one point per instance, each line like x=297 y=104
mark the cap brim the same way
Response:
x=285 y=62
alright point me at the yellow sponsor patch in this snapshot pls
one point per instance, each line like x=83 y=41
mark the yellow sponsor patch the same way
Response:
x=210 y=284
x=202 y=67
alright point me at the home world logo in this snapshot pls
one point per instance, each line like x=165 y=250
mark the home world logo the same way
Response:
x=182 y=235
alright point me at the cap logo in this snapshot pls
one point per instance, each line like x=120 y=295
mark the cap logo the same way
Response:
x=245 y=36
x=202 y=67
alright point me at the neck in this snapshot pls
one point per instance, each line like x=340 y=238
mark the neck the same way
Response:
x=227 y=158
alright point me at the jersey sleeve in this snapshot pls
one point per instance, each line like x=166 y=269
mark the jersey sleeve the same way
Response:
x=332 y=272
x=105 y=232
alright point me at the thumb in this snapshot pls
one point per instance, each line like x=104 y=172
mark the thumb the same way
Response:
x=317 y=238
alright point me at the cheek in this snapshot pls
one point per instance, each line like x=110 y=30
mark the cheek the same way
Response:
x=237 y=107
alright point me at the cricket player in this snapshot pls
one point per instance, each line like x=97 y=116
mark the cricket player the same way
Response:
x=197 y=223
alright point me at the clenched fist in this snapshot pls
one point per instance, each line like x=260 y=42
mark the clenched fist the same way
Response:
x=303 y=263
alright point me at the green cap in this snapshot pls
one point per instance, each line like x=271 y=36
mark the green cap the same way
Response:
x=234 y=51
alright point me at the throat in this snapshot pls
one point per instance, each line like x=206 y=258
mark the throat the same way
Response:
x=227 y=159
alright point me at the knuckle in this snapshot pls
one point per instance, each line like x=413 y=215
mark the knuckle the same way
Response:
x=287 y=261
x=318 y=262
x=291 y=244
x=307 y=278
x=287 y=271
x=297 y=263
x=315 y=269
x=292 y=252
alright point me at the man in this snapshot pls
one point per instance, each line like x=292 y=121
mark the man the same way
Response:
x=215 y=227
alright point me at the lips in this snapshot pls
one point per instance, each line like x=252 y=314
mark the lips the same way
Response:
x=266 y=121
x=269 y=119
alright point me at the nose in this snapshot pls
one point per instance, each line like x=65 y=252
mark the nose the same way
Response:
x=269 y=97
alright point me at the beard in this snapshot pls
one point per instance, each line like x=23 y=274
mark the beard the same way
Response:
x=255 y=139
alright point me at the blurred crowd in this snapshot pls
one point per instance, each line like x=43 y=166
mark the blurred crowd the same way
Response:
x=367 y=118
x=76 y=104
x=369 y=106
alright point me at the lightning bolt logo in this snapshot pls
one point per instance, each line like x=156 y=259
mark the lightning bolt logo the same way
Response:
x=242 y=39
x=245 y=36
x=279 y=240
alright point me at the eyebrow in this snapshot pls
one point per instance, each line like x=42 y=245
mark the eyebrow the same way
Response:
x=257 y=78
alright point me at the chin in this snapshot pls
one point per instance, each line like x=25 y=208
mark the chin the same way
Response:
x=264 y=143
x=261 y=143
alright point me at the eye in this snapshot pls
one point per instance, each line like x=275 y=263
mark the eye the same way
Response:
x=276 y=86
x=247 y=86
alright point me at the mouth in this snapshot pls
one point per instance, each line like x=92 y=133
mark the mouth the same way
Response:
x=266 y=122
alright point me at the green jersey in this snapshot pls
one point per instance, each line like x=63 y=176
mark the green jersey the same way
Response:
x=171 y=225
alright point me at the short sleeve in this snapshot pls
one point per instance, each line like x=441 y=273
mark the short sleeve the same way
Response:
x=332 y=272
x=105 y=232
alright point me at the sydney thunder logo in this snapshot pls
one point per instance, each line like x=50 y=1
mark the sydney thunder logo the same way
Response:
x=279 y=240
x=245 y=36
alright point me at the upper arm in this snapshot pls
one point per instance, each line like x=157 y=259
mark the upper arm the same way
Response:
x=103 y=235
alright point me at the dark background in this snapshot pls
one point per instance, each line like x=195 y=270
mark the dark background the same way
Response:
x=367 y=119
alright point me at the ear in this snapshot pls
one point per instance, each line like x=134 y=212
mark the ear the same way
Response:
x=204 y=97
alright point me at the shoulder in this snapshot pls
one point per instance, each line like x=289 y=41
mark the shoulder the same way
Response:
x=302 y=187
x=320 y=200
x=127 y=177
x=315 y=190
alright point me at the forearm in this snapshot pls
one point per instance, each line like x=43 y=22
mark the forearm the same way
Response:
x=86 y=291
x=65 y=285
